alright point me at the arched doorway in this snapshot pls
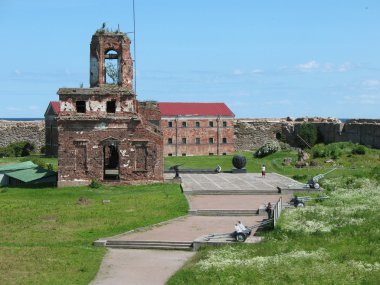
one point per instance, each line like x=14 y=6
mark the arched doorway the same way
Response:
x=111 y=159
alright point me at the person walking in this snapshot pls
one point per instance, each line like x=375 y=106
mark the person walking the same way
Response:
x=263 y=170
x=269 y=209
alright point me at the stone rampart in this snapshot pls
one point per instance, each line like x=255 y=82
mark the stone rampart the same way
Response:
x=253 y=133
x=16 y=131
x=249 y=133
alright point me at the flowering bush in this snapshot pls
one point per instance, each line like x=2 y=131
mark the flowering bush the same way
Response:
x=268 y=148
x=347 y=205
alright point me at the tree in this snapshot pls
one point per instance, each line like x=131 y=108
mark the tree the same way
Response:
x=307 y=135
x=111 y=71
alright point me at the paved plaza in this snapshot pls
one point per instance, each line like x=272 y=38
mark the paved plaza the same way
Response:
x=230 y=181
x=130 y=266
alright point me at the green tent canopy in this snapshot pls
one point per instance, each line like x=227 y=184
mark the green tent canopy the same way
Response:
x=32 y=174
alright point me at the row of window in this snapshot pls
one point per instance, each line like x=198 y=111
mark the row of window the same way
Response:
x=184 y=154
x=81 y=106
x=197 y=140
x=197 y=124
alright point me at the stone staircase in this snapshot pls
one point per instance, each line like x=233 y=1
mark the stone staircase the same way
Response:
x=223 y=212
x=231 y=192
x=164 y=245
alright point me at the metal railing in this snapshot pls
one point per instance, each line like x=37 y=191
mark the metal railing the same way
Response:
x=277 y=211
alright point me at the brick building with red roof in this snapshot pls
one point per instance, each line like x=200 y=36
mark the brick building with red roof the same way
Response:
x=197 y=128
x=188 y=128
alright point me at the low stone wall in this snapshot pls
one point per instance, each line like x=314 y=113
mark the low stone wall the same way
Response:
x=16 y=131
x=253 y=133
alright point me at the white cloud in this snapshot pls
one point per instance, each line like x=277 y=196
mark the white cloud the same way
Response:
x=371 y=83
x=363 y=99
x=322 y=67
x=17 y=72
x=308 y=66
x=257 y=71
x=238 y=72
x=344 y=67
x=369 y=99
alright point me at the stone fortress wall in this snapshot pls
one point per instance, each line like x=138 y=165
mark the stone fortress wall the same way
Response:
x=249 y=133
x=253 y=133
x=16 y=131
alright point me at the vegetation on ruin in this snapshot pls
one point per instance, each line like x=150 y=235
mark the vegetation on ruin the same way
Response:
x=307 y=135
x=335 y=241
x=46 y=234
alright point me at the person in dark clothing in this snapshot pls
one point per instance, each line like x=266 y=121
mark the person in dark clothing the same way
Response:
x=269 y=209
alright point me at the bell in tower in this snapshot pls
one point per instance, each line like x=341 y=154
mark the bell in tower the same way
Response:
x=110 y=59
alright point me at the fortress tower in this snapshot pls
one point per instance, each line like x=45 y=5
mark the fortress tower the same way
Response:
x=104 y=133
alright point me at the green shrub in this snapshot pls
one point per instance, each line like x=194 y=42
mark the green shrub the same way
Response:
x=43 y=149
x=299 y=177
x=285 y=146
x=6 y=152
x=375 y=173
x=318 y=150
x=309 y=134
x=95 y=184
x=40 y=162
x=268 y=148
x=17 y=149
x=334 y=150
x=358 y=149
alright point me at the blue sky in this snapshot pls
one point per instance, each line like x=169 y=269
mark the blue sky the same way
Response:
x=263 y=58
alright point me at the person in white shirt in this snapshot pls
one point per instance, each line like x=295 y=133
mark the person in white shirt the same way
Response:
x=238 y=229
x=263 y=169
x=241 y=226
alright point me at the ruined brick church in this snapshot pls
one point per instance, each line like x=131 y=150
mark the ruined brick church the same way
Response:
x=104 y=133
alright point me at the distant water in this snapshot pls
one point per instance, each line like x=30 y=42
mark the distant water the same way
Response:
x=22 y=119
x=343 y=120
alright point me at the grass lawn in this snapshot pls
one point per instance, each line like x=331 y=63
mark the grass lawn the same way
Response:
x=347 y=164
x=46 y=234
x=333 y=242
x=336 y=241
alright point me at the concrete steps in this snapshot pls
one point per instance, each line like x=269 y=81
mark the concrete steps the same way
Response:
x=164 y=245
x=223 y=212
x=231 y=192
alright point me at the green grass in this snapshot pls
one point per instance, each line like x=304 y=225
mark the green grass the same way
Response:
x=211 y=162
x=347 y=164
x=333 y=242
x=46 y=234
x=48 y=160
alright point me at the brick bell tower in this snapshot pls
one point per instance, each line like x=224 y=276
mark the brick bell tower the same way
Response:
x=111 y=50
x=104 y=133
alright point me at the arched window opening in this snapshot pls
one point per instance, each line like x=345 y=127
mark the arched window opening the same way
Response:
x=111 y=67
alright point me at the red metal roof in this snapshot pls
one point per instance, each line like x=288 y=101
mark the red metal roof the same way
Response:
x=56 y=106
x=194 y=109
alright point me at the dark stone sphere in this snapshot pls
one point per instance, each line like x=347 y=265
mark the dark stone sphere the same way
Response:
x=239 y=161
